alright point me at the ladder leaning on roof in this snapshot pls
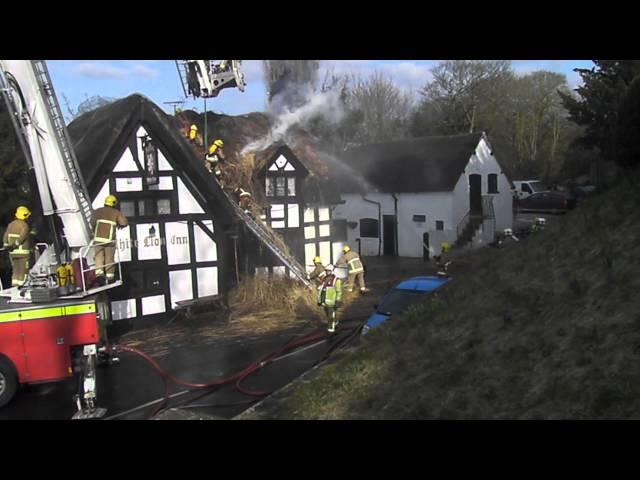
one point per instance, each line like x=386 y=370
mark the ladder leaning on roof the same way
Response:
x=267 y=236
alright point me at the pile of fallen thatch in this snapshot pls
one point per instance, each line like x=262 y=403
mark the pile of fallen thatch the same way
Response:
x=273 y=299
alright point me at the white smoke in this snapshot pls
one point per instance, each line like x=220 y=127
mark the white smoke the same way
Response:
x=325 y=105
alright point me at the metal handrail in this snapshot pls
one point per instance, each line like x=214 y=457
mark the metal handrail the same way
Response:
x=463 y=223
x=488 y=210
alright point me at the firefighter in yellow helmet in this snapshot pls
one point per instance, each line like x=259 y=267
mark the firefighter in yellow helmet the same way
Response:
x=105 y=221
x=351 y=260
x=17 y=240
x=318 y=273
x=214 y=157
x=193 y=133
x=441 y=260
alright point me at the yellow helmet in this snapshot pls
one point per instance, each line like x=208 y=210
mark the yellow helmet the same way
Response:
x=110 y=201
x=317 y=260
x=346 y=249
x=219 y=143
x=194 y=127
x=23 y=213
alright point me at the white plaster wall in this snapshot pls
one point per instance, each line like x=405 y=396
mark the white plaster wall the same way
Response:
x=484 y=163
x=356 y=208
x=435 y=206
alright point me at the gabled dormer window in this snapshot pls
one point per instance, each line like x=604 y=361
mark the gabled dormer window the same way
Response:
x=280 y=180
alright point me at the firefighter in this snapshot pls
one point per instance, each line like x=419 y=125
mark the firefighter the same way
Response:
x=17 y=240
x=105 y=220
x=243 y=198
x=441 y=259
x=223 y=66
x=319 y=273
x=215 y=156
x=538 y=224
x=330 y=297
x=351 y=260
x=245 y=201
x=193 y=133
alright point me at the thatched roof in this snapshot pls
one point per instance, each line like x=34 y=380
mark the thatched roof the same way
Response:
x=244 y=167
x=99 y=137
x=427 y=164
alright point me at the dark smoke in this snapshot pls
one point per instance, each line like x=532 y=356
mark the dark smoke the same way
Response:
x=290 y=82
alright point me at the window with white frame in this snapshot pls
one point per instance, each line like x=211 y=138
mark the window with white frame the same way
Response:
x=280 y=179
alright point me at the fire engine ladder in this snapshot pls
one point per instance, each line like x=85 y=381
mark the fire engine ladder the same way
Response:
x=182 y=72
x=268 y=237
x=62 y=137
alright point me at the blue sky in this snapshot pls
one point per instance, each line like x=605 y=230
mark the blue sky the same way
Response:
x=158 y=79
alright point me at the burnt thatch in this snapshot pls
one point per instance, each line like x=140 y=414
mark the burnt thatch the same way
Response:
x=242 y=168
x=427 y=164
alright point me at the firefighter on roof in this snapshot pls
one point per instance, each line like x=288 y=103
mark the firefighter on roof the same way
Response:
x=244 y=199
x=214 y=157
x=105 y=221
x=17 y=240
x=193 y=133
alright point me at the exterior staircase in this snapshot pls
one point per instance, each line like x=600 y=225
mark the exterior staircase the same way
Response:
x=467 y=233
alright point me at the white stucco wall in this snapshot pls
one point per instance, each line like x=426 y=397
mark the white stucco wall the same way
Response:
x=434 y=206
x=449 y=207
x=484 y=163
x=355 y=208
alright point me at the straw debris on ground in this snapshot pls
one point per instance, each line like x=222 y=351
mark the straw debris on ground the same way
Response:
x=258 y=306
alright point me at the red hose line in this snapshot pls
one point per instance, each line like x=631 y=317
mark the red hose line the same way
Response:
x=238 y=377
x=216 y=383
x=262 y=393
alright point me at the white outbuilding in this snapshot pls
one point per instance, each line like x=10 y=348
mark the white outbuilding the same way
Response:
x=407 y=197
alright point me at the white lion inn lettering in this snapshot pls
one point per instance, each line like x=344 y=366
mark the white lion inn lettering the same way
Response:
x=127 y=243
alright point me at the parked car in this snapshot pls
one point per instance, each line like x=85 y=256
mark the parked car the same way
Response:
x=547 y=202
x=524 y=188
x=403 y=295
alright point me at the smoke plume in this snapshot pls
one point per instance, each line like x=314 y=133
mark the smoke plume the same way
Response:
x=290 y=82
x=325 y=105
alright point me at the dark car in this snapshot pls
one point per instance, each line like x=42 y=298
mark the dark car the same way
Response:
x=547 y=202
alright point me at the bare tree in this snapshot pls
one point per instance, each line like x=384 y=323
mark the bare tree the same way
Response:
x=87 y=105
x=383 y=107
x=541 y=127
x=462 y=90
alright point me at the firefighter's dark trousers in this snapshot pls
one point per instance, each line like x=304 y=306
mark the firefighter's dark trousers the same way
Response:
x=331 y=313
x=20 y=269
x=104 y=256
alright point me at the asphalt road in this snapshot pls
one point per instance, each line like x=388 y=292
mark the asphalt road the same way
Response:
x=133 y=382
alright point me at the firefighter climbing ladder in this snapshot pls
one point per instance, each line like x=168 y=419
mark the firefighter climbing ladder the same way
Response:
x=62 y=137
x=267 y=236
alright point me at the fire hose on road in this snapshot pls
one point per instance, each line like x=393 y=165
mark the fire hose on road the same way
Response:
x=289 y=348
